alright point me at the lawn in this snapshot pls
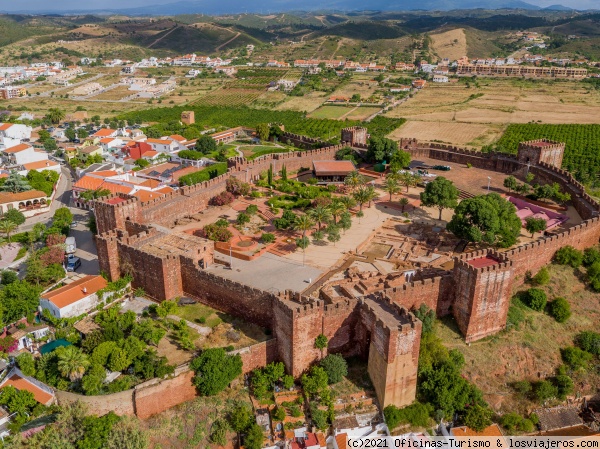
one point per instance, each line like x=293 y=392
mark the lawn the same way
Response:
x=200 y=314
x=331 y=112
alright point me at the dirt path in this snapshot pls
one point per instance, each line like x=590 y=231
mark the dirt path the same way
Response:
x=162 y=37
x=350 y=111
x=230 y=40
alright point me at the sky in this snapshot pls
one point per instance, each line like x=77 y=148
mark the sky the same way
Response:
x=38 y=5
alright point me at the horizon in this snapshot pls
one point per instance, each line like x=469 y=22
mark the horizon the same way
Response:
x=40 y=6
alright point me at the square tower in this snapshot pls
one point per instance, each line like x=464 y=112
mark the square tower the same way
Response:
x=483 y=283
x=355 y=135
x=542 y=150
x=187 y=117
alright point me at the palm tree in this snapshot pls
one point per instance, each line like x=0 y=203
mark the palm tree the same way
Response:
x=336 y=208
x=303 y=223
x=362 y=196
x=6 y=227
x=403 y=202
x=348 y=201
x=320 y=214
x=55 y=115
x=354 y=179
x=391 y=186
x=72 y=363
x=408 y=179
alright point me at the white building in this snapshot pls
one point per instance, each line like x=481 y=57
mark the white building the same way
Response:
x=440 y=79
x=30 y=202
x=73 y=299
x=23 y=154
x=15 y=131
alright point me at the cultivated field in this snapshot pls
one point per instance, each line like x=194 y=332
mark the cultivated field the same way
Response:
x=308 y=102
x=449 y=132
x=230 y=97
x=440 y=109
x=334 y=112
x=450 y=44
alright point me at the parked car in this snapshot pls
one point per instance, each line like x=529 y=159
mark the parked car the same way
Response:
x=73 y=263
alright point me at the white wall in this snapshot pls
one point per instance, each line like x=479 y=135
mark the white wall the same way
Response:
x=84 y=305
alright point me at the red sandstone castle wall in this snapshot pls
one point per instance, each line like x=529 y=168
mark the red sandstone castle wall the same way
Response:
x=436 y=293
x=251 y=304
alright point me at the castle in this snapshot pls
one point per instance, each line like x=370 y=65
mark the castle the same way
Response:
x=377 y=325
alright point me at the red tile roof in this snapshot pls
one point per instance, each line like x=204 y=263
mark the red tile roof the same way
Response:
x=482 y=262
x=5 y=126
x=18 y=148
x=40 y=164
x=331 y=168
x=22 y=384
x=490 y=431
x=8 y=197
x=104 y=132
x=74 y=291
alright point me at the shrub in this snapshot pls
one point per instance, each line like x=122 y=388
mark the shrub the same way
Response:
x=544 y=390
x=589 y=341
x=564 y=384
x=542 y=277
x=321 y=342
x=523 y=387
x=560 y=309
x=222 y=199
x=278 y=414
x=590 y=257
x=536 y=299
x=416 y=414
x=217 y=233
x=243 y=218
x=267 y=237
x=568 y=255
x=252 y=209
x=576 y=358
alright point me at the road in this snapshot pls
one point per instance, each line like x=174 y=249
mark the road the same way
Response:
x=86 y=247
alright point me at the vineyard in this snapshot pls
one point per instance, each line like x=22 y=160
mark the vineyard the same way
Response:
x=229 y=97
x=260 y=78
x=294 y=121
x=582 y=150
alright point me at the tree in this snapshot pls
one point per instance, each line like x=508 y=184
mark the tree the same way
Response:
x=215 y=370
x=511 y=183
x=205 y=145
x=336 y=208
x=391 y=186
x=303 y=223
x=15 y=183
x=72 y=363
x=320 y=215
x=263 y=131
x=118 y=360
x=270 y=175
x=536 y=299
x=55 y=115
x=364 y=194
x=14 y=215
x=26 y=363
x=345 y=221
x=381 y=149
x=354 y=179
x=50 y=145
x=560 y=309
x=486 y=218
x=399 y=161
x=440 y=193
x=8 y=277
x=7 y=227
x=408 y=179
x=243 y=218
x=70 y=134
x=403 y=202
x=534 y=225
x=17 y=401
x=284 y=173
x=315 y=382
x=567 y=255
x=333 y=234
x=478 y=417
x=240 y=418
x=254 y=437
x=335 y=366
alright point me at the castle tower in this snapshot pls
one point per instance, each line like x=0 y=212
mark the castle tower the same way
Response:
x=187 y=117
x=542 y=150
x=355 y=135
x=395 y=337
x=483 y=283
